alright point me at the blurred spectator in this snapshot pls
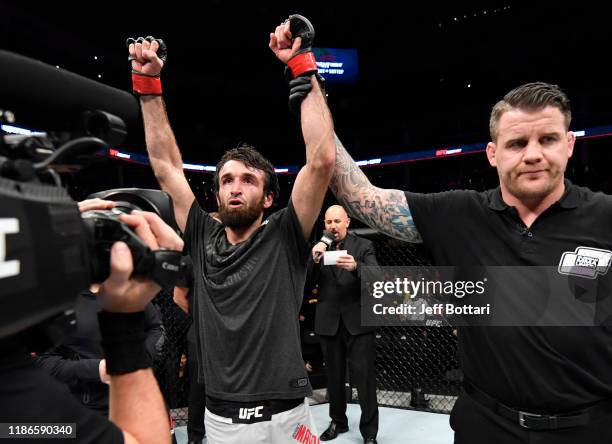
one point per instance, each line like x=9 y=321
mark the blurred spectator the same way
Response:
x=79 y=361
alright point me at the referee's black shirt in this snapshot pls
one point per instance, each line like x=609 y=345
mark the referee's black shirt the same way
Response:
x=547 y=369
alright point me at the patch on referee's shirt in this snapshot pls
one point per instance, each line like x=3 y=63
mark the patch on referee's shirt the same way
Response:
x=303 y=434
x=585 y=262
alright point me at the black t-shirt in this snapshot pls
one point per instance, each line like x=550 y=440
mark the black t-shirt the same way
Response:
x=246 y=301
x=549 y=369
x=29 y=395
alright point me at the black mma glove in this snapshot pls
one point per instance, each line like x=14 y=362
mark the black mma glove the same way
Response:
x=147 y=84
x=302 y=65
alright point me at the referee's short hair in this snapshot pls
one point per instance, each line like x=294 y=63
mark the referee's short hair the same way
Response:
x=531 y=97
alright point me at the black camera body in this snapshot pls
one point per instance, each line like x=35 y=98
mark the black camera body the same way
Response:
x=44 y=258
x=103 y=228
x=49 y=251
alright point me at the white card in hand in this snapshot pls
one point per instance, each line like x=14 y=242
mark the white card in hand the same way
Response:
x=331 y=257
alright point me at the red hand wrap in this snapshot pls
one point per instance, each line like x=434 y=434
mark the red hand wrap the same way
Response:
x=146 y=85
x=302 y=63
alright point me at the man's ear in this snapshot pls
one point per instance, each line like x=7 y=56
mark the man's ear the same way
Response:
x=491 y=149
x=269 y=200
x=571 y=140
x=348 y=221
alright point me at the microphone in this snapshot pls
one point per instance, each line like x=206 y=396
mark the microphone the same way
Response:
x=44 y=96
x=328 y=239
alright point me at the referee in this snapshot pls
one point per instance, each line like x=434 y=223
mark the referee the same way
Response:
x=522 y=384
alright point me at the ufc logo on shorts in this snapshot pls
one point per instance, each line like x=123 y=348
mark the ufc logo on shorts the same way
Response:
x=248 y=413
x=7 y=268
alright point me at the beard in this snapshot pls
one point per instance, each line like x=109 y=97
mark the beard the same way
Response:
x=240 y=218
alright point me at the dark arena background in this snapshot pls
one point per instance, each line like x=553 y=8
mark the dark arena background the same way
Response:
x=415 y=111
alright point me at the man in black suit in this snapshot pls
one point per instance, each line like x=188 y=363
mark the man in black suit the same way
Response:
x=79 y=360
x=338 y=324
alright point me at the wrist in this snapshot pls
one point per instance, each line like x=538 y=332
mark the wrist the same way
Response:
x=123 y=341
x=302 y=63
x=146 y=84
x=150 y=98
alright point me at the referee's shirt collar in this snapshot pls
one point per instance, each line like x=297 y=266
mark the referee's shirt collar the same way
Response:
x=570 y=198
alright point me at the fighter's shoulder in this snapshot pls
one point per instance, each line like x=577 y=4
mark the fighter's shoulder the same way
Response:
x=278 y=215
x=199 y=222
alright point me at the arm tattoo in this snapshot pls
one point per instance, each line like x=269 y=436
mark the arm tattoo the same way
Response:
x=383 y=209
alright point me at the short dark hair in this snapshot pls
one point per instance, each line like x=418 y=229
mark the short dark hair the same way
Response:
x=252 y=158
x=532 y=97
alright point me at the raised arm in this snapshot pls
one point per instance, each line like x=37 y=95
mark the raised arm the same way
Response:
x=318 y=131
x=383 y=209
x=162 y=148
x=313 y=179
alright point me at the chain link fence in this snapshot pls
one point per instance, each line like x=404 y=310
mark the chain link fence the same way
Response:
x=417 y=367
x=170 y=368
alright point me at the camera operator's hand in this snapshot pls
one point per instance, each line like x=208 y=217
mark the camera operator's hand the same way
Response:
x=96 y=204
x=143 y=54
x=121 y=293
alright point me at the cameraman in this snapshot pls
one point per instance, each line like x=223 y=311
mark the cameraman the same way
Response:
x=137 y=412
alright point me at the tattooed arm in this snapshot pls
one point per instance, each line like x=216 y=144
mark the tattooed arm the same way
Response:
x=382 y=209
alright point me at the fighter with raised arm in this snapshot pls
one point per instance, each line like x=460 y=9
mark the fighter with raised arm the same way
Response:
x=250 y=273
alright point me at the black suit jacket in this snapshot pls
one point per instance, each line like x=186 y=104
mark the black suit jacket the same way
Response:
x=77 y=360
x=339 y=291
